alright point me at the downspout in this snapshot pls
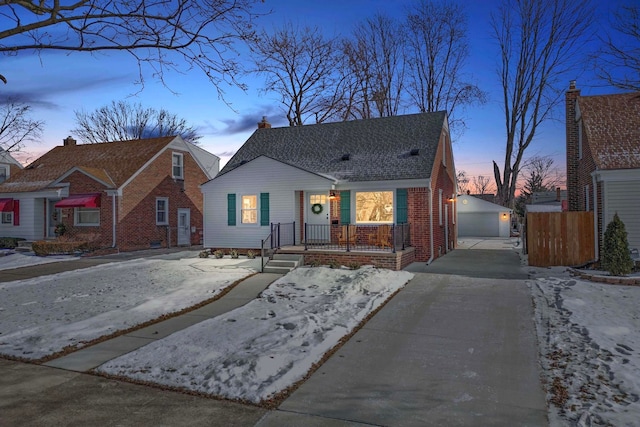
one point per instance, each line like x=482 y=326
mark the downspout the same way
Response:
x=430 y=260
x=596 y=237
x=115 y=220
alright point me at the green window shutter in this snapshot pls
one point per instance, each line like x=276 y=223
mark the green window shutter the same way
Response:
x=401 y=206
x=264 y=208
x=231 y=209
x=345 y=207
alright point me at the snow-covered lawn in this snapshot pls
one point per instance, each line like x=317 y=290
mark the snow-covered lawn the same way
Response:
x=10 y=259
x=589 y=337
x=263 y=348
x=42 y=316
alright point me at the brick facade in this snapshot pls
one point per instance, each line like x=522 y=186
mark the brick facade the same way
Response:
x=136 y=209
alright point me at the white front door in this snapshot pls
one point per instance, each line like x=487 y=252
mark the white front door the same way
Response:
x=184 y=227
x=53 y=218
x=318 y=217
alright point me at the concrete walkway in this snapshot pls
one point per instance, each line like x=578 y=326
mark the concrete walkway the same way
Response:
x=456 y=347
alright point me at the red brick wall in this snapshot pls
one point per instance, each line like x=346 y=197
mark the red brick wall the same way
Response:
x=572 y=148
x=137 y=227
x=390 y=260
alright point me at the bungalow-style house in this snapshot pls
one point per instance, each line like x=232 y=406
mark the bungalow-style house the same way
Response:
x=479 y=218
x=360 y=187
x=126 y=195
x=603 y=159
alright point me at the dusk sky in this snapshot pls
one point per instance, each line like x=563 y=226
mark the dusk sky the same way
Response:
x=57 y=83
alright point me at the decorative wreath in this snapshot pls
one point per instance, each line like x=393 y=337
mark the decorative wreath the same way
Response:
x=316 y=208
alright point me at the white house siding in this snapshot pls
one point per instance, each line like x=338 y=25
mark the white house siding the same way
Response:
x=31 y=221
x=262 y=175
x=623 y=197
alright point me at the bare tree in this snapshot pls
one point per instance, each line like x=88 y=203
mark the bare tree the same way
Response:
x=618 y=62
x=436 y=56
x=299 y=65
x=201 y=33
x=539 y=41
x=16 y=126
x=463 y=182
x=375 y=57
x=482 y=185
x=539 y=174
x=121 y=121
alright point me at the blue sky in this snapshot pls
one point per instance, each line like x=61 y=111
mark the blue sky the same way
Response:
x=57 y=83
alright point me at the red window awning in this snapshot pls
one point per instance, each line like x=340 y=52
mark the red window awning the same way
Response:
x=80 y=201
x=6 y=205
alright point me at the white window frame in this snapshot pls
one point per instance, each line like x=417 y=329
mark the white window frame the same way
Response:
x=5 y=176
x=7 y=218
x=166 y=210
x=393 y=207
x=76 y=217
x=252 y=209
x=178 y=164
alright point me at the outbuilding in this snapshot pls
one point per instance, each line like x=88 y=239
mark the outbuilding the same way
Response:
x=479 y=218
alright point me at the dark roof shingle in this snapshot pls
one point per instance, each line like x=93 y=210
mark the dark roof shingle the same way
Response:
x=612 y=124
x=379 y=149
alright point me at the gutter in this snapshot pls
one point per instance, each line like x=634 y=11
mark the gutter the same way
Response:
x=430 y=260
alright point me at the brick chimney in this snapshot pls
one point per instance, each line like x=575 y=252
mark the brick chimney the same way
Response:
x=264 y=124
x=571 y=124
x=558 y=195
x=68 y=141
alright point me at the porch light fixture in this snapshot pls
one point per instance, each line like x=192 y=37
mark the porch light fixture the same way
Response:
x=332 y=195
x=504 y=216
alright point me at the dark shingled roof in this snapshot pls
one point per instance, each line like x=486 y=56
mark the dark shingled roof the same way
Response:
x=612 y=124
x=378 y=149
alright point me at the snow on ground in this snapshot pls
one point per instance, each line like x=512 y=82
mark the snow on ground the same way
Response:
x=589 y=337
x=44 y=315
x=10 y=259
x=258 y=350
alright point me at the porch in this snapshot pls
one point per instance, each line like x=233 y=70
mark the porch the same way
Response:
x=384 y=245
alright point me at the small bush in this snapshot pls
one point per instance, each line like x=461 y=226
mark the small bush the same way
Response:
x=251 y=254
x=315 y=263
x=218 y=253
x=334 y=264
x=44 y=248
x=234 y=253
x=354 y=265
x=9 y=242
x=204 y=254
x=616 y=258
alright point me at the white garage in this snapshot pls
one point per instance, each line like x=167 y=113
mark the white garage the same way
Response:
x=479 y=218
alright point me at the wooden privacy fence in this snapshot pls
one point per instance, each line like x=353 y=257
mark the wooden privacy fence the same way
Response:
x=560 y=238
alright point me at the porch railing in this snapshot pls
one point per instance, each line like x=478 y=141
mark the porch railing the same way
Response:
x=279 y=235
x=384 y=237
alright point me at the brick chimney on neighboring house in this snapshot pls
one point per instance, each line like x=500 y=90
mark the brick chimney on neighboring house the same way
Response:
x=68 y=141
x=573 y=159
x=264 y=124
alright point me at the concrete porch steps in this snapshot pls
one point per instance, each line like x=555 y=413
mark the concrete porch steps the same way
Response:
x=283 y=263
x=24 y=246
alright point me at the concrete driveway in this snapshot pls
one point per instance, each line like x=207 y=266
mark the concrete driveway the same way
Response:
x=456 y=347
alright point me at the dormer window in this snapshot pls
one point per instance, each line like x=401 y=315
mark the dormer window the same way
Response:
x=177 y=170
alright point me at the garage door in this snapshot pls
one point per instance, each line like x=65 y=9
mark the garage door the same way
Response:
x=478 y=224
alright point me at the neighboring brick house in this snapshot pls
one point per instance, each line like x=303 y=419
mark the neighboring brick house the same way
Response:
x=127 y=194
x=603 y=159
x=374 y=172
